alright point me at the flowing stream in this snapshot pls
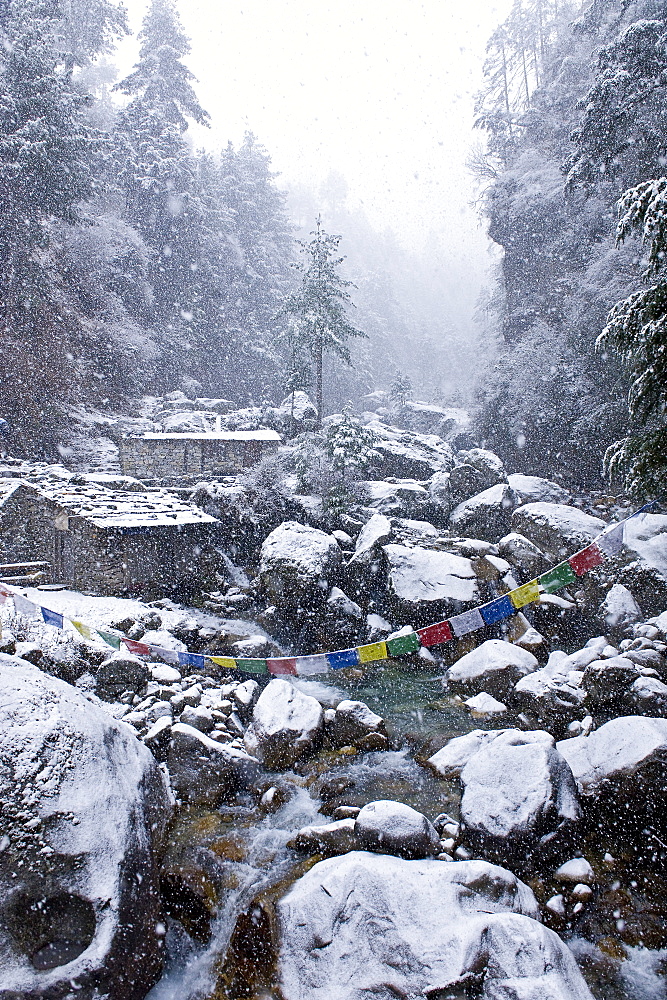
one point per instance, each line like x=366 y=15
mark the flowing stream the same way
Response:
x=241 y=853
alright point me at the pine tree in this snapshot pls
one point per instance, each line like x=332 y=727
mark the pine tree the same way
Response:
x=350 y=445
x=316 y=312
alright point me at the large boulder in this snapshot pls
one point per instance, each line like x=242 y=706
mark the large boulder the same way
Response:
x=557 y=529
x=645 y=556
x=486 y=515
x=424 y=584
x=621 y=770
x=619 y=609
x=121 y=672
x=366 y=925
x=388 y=827
x=84 y=809
x=354 y=721
x=298 y=564
x=449 y=761
x=532 y=489
x=519 y=802
x=204 y=771
x=401 y=497
x=553 y=695
x=286 y=725
x=487 y=464
x=494 y=667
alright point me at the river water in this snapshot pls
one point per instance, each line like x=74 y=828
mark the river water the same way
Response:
x=241 y=856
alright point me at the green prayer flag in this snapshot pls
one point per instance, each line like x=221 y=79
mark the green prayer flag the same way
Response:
x=403 y=644
x=253 y=666
x=110 y=638
x=557 y=577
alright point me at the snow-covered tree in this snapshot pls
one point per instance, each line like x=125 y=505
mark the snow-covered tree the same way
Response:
x=350 y=445
x=401 y=387
x=316 y=311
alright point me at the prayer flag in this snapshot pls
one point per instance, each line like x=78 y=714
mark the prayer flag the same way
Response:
x=82 y=629
x=110 y=638
x=372 y=652
x=194 y=660
x=139 y=648
x=4 y=596
x=253 y=666
x=23 y=606
x=308 y=665
x=469 y=621
x=343 y=658
x=282 y=665
x=611 y=541
x=166 y=655
x=433 y=635
x=498 y=610
x=525 y=595
x=52 y=617
x=556 y=578
x=226 y=662
x=401 y=645
x=588 y=558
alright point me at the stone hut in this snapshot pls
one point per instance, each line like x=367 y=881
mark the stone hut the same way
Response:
x=108 y=541
x=163 y=455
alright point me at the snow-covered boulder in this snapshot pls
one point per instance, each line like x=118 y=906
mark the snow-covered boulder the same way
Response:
x=449 y=761
x=204 y=771
x=487 y=464
x=554 y=695
x=607 y=682
x=649 y=696
x=557 y=529
x=354 y=721
x=494 y=667
x=402 y=497
x=645 y=574
x=486 y=515
x=298 y=564
x=429 y=419
x=374 y=534
x=121 y=672
x=532 y=489
x=485 y=704
x=388 y=827
x=519 y=802
x=427 y=582
x=84 y=808
x=365 y=925
x=522 y=553
x=619 y=609
x=286 y=725
x=465 y=482
x=441 y=497
x=340 y=604
x=329 y=839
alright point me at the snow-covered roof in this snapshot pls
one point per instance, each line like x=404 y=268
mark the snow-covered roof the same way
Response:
x=107 y=508
x=260 y=435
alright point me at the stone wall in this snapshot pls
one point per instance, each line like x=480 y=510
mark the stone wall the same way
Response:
x=154 y=458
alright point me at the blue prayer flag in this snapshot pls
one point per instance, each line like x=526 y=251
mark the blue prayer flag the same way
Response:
x=343 y=658
x=498 y=610
x=52 y=617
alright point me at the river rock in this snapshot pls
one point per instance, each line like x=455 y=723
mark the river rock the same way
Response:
x=329 y=839
x=424 y=584
x=522 y=553
x=487 y=464
x=557 y=529
x=84 y=809
x=366 y=925
x=204 y=771
x=353 y=721
x=619 y=609
x=494 y=667
x=553 y=695
x=519 y=802
x=449 y=761
x=296 y=561
x=649 y=696
x=486 y=515
x=286 y=725
x=388 y=827
x=608 y=682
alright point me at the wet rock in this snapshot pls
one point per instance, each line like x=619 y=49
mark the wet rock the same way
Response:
x=574 y=871
x=286 y=726
x=84 y=810
x=486 y=515
x=204 y=771
x=388 y=827
x=157 y=738
x=245 y=697
x=557 y=529
x=445 y=929
x=296 y=561
x=121 y=672
x=519 y=803
x=329 y=839
x=494 y=667
x=485 y=704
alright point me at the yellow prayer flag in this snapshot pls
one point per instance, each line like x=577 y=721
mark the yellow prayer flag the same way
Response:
x=374 y=651
x=226 y=662
x=82 y=629
x=525 y=595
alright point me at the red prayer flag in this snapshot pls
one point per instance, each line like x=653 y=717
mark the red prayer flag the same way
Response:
x=282 y=665
x=137 y=647
x=433 y=635
x=587 y=559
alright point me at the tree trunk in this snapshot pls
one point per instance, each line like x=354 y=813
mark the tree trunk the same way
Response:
x=318 y=381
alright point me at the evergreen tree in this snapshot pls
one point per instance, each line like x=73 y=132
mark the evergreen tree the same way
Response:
x=316 y=312
x=349 y=445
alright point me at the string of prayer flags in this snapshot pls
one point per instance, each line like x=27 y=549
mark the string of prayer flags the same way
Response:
x=557 y=578
x=588 y=558
x=52 y=617
x=194 y=660
x=282 y=665
x=252 y=666
x=23 y=606
x=372 y=652
x=402 y=645
x=343 y=658
x=434 y=635
x=226 y=662
x=469 y=621
x=109 y=638
x=138 y=648
x=611 y=541
x=497 y=611
x=314 y=664
x=82 y=629
x=525 y=595
x=167 y=655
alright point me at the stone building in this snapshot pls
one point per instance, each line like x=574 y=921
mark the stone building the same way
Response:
x=108 y=541
x=173 y=455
